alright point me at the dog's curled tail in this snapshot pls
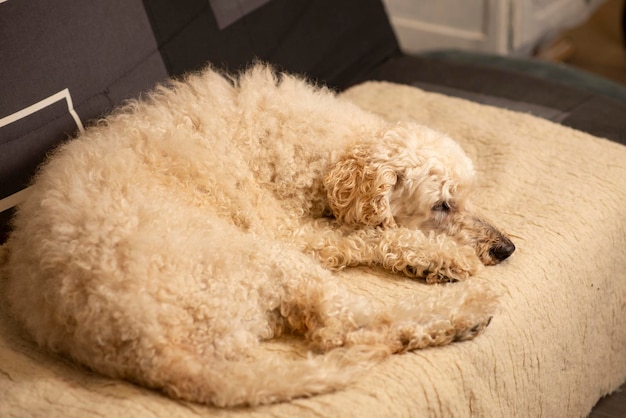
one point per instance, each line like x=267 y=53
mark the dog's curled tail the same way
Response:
x=264 y=380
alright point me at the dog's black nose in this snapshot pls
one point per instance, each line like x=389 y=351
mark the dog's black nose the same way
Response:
x=502 y=250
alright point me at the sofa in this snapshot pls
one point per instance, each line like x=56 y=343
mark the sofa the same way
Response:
x=547 y=141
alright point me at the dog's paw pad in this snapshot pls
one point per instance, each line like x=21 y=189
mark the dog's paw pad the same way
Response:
x=441 y=274
x=469 y=332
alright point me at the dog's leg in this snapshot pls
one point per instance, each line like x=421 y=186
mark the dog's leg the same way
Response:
x=331 y=317
x=454 y=313
x=434 y=258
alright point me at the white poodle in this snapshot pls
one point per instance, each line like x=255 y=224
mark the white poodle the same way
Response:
x=179 y=232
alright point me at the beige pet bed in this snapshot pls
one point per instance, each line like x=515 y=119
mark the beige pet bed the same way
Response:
x=557 y=345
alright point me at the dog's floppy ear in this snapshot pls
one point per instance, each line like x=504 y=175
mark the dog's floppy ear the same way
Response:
x=358 y=188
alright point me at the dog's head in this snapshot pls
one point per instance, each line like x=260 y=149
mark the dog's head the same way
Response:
x=413 y=177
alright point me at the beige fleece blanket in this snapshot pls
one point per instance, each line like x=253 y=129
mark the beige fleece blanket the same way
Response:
x=557 y=345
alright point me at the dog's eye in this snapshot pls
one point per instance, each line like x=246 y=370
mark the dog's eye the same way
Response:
x=441 y=207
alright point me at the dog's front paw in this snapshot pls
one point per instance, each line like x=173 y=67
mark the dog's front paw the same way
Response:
x=446 y=267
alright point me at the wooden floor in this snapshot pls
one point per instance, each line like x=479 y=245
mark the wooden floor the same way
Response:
x=598 y=46
x=613 y=406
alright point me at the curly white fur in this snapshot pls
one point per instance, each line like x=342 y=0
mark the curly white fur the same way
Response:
x=180 y=231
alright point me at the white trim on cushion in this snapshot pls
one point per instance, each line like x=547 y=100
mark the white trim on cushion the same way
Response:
x=63 y=94
x=16 y=198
